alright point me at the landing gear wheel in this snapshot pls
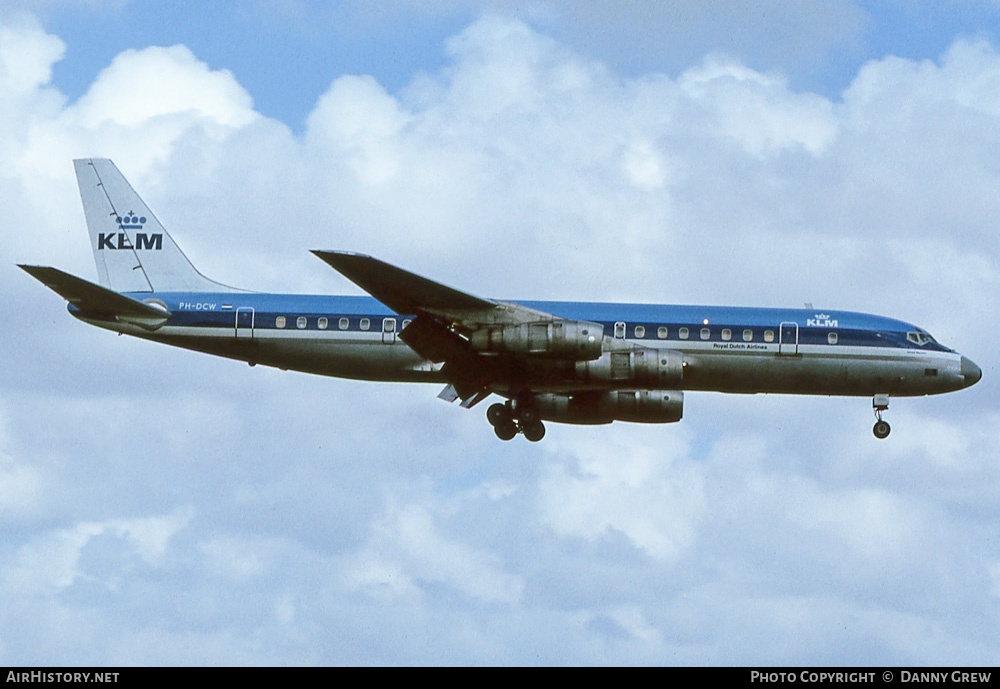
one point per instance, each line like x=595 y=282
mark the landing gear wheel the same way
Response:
x=881 y=429
x=505 y=430
x=534 y=431
x=497 y=414
x=516 y=416
x=880 y=403
x=527 y=414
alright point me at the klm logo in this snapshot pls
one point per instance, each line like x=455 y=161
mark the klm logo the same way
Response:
x=130 y=222
x=822 y=320
x=115 y=241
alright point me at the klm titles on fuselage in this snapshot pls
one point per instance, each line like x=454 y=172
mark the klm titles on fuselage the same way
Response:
x=821 y=320
x=116 y=241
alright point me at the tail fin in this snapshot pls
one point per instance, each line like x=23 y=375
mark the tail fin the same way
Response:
x=134 y=253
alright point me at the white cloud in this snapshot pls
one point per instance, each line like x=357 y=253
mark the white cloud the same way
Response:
x=142 y=85
x=27 y=54
x=142 y=109
x=407 y=550
x=21 y=484
x=356 y=118
x=757 y=110
x=52 y=562
x=651 y=496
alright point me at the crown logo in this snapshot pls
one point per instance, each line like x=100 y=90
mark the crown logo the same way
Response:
x=130 y=222
x=822 y=316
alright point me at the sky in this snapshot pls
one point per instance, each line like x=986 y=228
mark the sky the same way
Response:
x=163 y=507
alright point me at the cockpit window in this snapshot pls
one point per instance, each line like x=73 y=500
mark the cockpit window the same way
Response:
x=919 y=338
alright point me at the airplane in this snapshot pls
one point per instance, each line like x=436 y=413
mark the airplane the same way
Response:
x=564 y=362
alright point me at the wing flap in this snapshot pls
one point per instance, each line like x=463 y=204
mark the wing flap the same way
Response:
x=467 y=372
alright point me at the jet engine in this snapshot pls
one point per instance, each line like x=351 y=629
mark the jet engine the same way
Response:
x=556 y=339
x=598 y=407
x=641 y=367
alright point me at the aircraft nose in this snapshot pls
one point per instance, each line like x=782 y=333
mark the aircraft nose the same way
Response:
x=970 y=371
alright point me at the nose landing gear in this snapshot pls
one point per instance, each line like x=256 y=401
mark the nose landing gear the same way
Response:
x=880 y=403
x=508 y=419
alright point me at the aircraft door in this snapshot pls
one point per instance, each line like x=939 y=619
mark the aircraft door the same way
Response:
x=788 y=338
x=244 y=323
x=389 y=330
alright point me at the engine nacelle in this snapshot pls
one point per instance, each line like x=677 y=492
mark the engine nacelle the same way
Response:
x=597 y=407
x=556 y=339
x=641 y=367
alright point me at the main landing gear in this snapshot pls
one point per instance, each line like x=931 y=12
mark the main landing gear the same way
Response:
x=513 y=417
x=880 y=403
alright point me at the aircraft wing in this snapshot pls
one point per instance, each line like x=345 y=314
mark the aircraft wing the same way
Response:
x=445 y=322
x=400 y=290
x=96 y=300
x=409 y=294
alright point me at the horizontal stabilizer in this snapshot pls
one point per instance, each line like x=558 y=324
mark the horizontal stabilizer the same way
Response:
x=95 y=300
x=400 y=290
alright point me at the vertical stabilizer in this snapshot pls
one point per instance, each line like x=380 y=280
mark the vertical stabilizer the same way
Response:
x=134 y=253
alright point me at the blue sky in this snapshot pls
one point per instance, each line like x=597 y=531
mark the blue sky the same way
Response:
x=285 y=54
x=164 y=507
x=270 y=46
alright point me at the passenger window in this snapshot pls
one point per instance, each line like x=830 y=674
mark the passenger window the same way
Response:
x=322 y=323
x=706 y=333
x=768 y=336
x=620 y=330
x=727 y=334
x=682 y=333
x=661 y=332
x=640 y=331
x=407 y=322
x=832 y=338
x=365 y=324
x=343 y=324
x=748 y=335
x=279 y=322
x=300 y=322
